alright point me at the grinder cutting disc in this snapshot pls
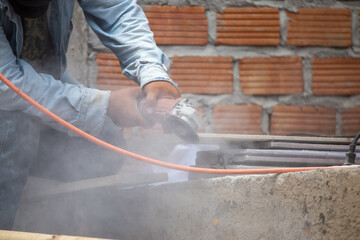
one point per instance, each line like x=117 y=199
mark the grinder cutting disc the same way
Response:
x=184 y=120
x=177 y=116
x=182 y=128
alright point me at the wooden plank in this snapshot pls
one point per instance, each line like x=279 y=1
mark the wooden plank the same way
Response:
x=51 y=188
x=16 y=235
x=216 y=138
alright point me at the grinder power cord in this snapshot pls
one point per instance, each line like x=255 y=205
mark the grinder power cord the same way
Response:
x=147 y=159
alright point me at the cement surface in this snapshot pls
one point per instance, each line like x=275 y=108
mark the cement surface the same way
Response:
x=322 y=204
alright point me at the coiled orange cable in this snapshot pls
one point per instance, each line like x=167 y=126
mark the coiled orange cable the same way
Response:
x=146 y=159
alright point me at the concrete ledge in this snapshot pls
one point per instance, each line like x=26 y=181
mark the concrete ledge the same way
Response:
x=322 y=204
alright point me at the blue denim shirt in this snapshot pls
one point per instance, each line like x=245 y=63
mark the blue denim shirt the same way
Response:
x=121 y=25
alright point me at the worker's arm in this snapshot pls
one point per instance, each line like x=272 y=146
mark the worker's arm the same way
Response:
x=122 y=26
x=84 y=107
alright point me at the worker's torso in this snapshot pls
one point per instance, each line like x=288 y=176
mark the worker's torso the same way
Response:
x=59 y=27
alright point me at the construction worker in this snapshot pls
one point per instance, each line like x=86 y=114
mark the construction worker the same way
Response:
x=34 y=36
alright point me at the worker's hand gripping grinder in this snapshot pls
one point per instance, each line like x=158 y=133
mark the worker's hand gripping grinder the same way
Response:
x=177 y=116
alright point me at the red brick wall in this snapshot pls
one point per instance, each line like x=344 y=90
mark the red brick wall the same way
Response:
x=300 y=70
x=203 y=75
x=305 y=119
x=336 y=76
x=271 y=76
x=248 y=26
x=178 y=25
x=319 y=27
x=237 y=119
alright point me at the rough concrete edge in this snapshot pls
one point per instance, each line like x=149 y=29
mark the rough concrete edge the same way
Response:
x=353 y=170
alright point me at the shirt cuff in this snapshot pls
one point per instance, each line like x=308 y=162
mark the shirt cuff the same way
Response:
x=151 y=72
x=94 y=110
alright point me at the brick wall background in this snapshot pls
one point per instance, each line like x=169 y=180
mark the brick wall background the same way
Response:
x=265 y=67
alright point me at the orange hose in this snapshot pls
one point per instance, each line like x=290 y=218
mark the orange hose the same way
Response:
x=146 y=159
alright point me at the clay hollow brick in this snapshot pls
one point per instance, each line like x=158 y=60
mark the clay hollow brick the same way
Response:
x=271 y=76
x=203 y=75
x=305 y=119
x=319 y=27
x=351 y=121
x=109 y=75
x=173 y=25
x=248 y=26
x=336 y=76
x=237 y=119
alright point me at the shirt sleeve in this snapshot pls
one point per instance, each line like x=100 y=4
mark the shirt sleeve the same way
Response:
x=123 y=27
x=85 y=108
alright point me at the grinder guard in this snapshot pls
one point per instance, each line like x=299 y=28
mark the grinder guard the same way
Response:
x=177 y=116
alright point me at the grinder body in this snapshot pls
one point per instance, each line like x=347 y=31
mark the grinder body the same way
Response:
x=177 y=116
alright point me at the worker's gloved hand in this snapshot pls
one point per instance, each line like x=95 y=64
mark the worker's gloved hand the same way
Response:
x=159 y=89
x=123 y=108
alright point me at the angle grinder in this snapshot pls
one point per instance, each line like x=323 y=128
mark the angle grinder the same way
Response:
x=177 y=116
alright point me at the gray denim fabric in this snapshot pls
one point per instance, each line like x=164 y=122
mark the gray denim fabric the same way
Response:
x=28 y=147
x=19 y=141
